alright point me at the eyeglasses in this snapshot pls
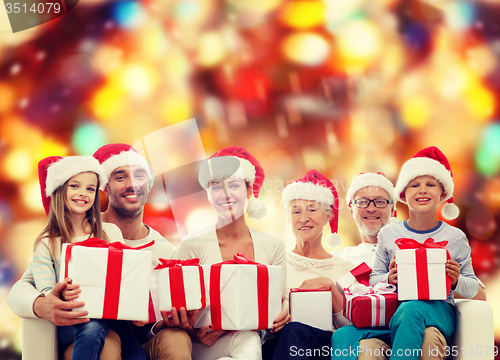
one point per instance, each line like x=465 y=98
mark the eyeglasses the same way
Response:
x=378 y=203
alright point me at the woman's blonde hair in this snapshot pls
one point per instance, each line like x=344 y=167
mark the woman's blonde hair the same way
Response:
x=59 y=225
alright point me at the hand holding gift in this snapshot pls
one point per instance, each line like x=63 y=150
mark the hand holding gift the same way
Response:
x=453 y=271
x=71 y=291
x=393 y=272
x=176 y=318
x=280 y=322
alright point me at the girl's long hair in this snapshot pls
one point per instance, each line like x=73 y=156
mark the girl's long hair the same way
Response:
x=59 y=225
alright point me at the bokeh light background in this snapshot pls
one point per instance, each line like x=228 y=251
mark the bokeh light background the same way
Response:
x=339 y=86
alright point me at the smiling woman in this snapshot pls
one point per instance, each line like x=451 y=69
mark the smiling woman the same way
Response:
x=232 y=178
x=311 y=203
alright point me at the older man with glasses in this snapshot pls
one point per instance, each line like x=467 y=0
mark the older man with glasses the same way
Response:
x=371 y=199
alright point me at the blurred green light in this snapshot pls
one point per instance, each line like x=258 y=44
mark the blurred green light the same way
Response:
x=488 y=153
x=87 y=138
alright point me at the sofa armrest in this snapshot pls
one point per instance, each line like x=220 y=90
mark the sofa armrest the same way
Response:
x=39 y=340
x=473 y=338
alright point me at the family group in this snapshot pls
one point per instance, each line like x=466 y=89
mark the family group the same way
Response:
x=232 y=178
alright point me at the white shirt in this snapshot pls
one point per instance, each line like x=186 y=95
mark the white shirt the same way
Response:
x=364 y=252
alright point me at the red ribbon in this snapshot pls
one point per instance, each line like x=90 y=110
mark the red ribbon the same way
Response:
x=166 y=263
x=262 y=291
x=177 y=292
x=362 y=273
x=113 y=271
x=328 y=288
x=421 y=262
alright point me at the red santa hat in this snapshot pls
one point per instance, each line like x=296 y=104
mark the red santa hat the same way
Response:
x=314 y=186
x=54 y=171
x=113 y=156
x=375 y=180
x=236 y=161
x=432 y=162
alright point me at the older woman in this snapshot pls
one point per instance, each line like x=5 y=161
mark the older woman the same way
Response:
x=310 y=203
x=231 y=176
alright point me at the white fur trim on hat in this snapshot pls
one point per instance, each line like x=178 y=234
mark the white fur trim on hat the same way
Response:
x=64 y=169
x=125 y=158
x=421 y=166
x=306 y=191
x=370 y=179
x=211 y=171
x=256 y=209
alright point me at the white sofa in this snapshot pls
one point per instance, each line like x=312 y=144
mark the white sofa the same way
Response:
x=473 y=338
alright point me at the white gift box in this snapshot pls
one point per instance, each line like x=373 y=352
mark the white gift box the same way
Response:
x=422 y=280
x=118 y=294
x=186 y=288
x=239 y=302
x=312 y=307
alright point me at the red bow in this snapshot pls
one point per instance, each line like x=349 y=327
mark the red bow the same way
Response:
x=405 y=243
x=166 y=263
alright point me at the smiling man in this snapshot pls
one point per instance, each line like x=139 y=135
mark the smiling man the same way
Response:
x=129 y=180
x=371 y=199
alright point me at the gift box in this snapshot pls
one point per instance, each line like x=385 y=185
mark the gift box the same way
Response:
x=242 y=295
x=180 y=284
x=422 y=270
x=312 y=307
x=113 y=278
x=359 y=275
x=370 y=306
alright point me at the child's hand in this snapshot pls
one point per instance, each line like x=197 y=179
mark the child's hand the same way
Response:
x=453 y=271
x=71 y=291
x=393 y=272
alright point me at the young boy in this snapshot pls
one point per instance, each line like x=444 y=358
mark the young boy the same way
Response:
x=424 y=182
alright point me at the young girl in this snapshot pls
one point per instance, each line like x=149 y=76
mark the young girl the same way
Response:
x=70 y=193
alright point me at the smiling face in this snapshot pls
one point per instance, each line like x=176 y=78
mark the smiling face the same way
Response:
x=128 y=190
x=371 y=219
x=308 y=218
x=228 y=197
x=424 y=193
x=80 y=192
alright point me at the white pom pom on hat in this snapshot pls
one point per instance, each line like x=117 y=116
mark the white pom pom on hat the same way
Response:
x=315 y=186
x=432 y=162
